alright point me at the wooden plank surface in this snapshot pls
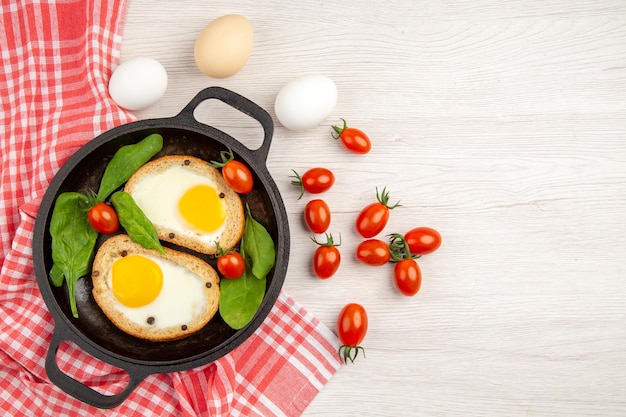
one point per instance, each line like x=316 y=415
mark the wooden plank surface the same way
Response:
x=502 y=124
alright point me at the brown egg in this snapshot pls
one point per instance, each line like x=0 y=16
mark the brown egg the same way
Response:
x=224 y=46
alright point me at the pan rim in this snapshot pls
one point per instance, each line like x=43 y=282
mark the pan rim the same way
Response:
x=64 y=325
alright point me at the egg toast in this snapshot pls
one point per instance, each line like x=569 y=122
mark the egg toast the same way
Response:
x=150 y=295
x=189 y=203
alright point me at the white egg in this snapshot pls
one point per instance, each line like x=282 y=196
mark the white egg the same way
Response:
x=159 y=195
x=138 y=83
x=179 y=301
x=305 y=102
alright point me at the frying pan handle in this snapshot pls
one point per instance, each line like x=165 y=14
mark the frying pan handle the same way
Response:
x=78 y=389
x=238 y=102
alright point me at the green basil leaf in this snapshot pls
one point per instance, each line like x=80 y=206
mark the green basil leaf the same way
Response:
x=138 y=227
x=73 y=241
x=125 y=162
x=56 y=275
x=240 y=299
x=258 y=246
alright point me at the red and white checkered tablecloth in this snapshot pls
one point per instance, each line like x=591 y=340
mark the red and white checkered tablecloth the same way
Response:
x=57 y=57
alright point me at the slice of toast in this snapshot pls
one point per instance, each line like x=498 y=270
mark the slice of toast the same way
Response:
x=231 y=231
x=176 y=312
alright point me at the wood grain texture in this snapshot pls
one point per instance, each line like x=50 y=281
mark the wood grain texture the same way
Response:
x=500 y=123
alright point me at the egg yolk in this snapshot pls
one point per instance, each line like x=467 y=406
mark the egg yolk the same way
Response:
x=202 y=207
x=137 y=280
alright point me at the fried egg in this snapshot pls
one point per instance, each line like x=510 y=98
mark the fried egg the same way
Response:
x=183 y=200
x=154 y=292
x=188 y=202
x=150 y=295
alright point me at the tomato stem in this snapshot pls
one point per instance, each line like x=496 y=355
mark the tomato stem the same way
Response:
x=226 y=157
x=339 y=130
x=349 y=352
x=383 y=198
x=298 y=182
x=221 y=251
x=399 y=248
x=92 y=196
x=329 y=240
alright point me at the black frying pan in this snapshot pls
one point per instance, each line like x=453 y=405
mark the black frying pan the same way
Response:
x=92 y=331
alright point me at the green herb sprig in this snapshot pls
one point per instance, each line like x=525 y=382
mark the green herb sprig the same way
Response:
x=241 y=298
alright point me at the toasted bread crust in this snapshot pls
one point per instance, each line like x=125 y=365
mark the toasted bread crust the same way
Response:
x=235 y=216
x=121 y=245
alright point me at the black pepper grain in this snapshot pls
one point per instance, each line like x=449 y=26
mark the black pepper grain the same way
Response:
x=187 y=162
x=172 y=235
x=208 y=285
x=183 y=327
x=123 y=253
x=222 y=195
x=150 y=320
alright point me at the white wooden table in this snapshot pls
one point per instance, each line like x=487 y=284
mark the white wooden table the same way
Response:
x=502 y=124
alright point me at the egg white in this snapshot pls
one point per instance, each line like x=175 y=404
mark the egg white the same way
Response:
x=158 y=195
x=181 y=298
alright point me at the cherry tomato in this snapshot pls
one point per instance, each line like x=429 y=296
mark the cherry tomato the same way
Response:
x=373 y=252
x=103 y=218
x=326 y=258
x=315 y=181
x=351 y=328
x=353 y=139
x=236 y=175
x=231 y=265
x=374 y=217
x=423 y=240
x=317 y=216
x=407 y=277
